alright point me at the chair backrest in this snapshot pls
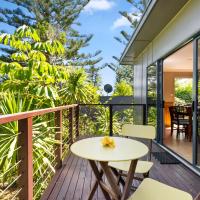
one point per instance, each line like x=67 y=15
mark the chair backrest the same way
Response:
x=173 y=113
x=139 y=131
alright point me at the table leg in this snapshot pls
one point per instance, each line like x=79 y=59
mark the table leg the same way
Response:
x=98 y=174
x=95 y=185
x=129 y=179
x=112 y=179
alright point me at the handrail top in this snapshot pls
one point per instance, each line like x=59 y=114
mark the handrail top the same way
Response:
x=23 y=115
x=112 y=104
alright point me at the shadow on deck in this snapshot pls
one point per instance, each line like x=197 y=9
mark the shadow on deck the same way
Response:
x=75 y=179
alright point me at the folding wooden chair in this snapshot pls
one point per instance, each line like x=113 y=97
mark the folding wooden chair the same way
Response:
x=137 y=131
x=151 y=189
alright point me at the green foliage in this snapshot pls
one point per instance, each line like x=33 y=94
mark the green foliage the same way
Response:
x=31 y=73
x=123 y=89
x=126 y=72
x=54 y=20
x=29 y=81
x=103 y=122
x=77 y=88
x=123 y=72
x=183 y=93
x=139 y=7
x=152 y=94
x=152 y=116
x=43 y=139
x=152 y=82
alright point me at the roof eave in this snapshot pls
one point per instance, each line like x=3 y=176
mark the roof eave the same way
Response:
x=157 y=15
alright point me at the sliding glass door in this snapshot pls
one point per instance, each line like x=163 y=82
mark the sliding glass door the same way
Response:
x=196 y=104
x=178 y=86
x=177 y=96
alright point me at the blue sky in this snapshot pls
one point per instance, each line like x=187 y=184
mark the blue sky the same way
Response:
x=102 y=19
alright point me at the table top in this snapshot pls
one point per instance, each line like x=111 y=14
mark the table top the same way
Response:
x=125 y=149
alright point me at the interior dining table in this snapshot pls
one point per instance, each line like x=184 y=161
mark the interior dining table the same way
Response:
x=125 y=149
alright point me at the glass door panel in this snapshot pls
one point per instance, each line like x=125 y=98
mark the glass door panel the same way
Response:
x=151 y=95
x=197 y=138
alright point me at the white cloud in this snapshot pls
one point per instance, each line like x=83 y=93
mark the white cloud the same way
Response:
x=123 y=22
x=97 y=5
x=120 y=22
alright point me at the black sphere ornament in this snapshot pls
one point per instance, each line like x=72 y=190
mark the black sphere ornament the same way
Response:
x=108 y=88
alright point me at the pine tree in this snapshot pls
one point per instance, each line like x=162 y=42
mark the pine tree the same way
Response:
x=125 y=73
x=55 y=19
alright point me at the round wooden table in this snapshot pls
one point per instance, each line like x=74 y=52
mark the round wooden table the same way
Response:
x=125 y=149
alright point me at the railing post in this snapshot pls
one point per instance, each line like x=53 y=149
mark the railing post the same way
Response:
x=77 y=121
x=58 y=137
x=144 y=114
x=26 y=158
x=111 y=119
x=70 y=119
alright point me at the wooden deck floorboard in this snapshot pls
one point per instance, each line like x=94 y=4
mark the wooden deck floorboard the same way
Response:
x=75 y=179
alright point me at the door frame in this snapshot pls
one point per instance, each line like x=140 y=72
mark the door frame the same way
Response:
x=160 y=122
x=195 y=100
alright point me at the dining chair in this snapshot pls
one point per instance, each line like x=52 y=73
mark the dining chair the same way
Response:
x=143 y=167
x=151 y=189
x=180 y=119
x=174 y=120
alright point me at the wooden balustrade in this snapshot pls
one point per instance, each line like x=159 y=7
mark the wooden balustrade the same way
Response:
x=25 y=122
x=70 y=117
x=58 y=136
x=26 y=157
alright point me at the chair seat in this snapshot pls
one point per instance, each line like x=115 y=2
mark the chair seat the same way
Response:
x=181 y=122
x=184 y=122
x=142 y=166
x=150 y=189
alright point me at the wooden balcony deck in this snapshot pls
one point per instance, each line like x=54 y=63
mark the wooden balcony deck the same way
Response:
x=74 y=180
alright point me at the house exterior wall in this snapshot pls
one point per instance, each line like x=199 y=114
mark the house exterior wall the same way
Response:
x=182 y=27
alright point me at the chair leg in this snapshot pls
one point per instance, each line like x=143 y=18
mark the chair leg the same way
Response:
x=119 y=177
x=172 y=127
x=146 y=175
x=186 y=132
x=178 y=131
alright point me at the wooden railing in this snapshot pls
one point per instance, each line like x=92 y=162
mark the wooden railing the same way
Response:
x=24 y=178
x=113 y=108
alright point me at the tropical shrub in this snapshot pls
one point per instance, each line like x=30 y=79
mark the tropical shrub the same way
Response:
x=183 y=92
x=43 y=140
x=30 y=71
x=123 y=89
x=30 y=82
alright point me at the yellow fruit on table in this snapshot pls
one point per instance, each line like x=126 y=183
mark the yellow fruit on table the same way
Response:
x=108 y=142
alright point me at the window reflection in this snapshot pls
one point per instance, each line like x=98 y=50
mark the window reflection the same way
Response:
x=151 y=95
x=198 y=117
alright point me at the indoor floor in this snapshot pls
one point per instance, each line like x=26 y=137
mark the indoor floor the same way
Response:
x=179 y=145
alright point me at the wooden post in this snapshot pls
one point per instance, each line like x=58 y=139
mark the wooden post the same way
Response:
x=70 y=118
x=58 y=137
x=26 y=157
x=111 y=119
x=77 y=121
